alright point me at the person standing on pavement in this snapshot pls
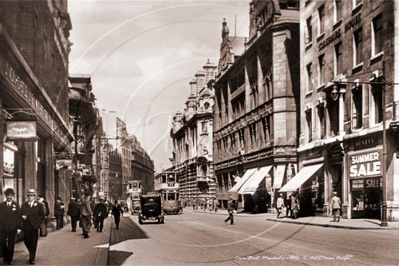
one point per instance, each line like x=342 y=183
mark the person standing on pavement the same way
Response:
x=280 y=205
x=43 y=228
x=32 y=213
x=117 y=212
x=100 y=213
x=288 y=206
x=10 y=225
x=215 y=204
x=230 y=209
x=336 y=206
x=85 y=215
x=74 y=213
x=294 y=206
x=59 y=210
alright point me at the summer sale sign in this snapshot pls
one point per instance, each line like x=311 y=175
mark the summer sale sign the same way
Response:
x=365 y=165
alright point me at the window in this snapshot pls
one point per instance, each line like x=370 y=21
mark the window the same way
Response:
x=233 y=141
x=309 y=123
x=204 y=127
x=269 y=87
x=356 y=3
x=376 y=112
x=322 y=120
x=309 y=29
x=357 y=47
x=266 y=128
x=252 y=131
x=338 y=10
x=321 y=19
x=310 y=78
x=357 y=107
x=338 y=59
x=241 y=136
x=225 y=143
x=377 y=36
x=333 y=115
x=321 y=70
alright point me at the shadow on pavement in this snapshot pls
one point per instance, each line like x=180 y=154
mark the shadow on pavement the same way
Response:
x=127 y=230
x=118 y=257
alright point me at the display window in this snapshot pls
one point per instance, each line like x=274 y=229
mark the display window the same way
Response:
x=366 y=197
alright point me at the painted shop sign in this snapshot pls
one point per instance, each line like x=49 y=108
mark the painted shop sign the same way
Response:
x=21 y=130
x=365 y=165
x=353 y=22
x=366 y=142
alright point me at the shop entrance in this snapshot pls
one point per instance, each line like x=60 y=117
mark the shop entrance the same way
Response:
x=366 y=197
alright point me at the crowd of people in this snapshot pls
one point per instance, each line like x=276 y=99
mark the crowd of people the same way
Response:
x=33 y=215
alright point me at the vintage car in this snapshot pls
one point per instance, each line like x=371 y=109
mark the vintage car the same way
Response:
x=151 y=208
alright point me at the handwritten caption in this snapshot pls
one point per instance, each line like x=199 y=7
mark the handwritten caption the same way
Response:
x=294 y=257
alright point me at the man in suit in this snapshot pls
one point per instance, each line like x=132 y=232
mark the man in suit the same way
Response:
x=32 y=215
x=59 y=210
x=74 y=212
x=10 y=224
x=100 y=213
x=85 y=213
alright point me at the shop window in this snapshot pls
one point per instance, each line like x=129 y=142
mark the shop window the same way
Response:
x=357 y=107
x=309 y=86
x=338 y=62
x=337 y=10
x=321 y=70
x=377 y=36
x=321 y=19
x=357 y=47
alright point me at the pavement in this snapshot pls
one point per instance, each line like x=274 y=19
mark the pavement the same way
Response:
x=359 y=224
x=64 y=247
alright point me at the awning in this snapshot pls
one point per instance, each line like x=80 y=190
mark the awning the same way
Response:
x=244 y=178
x=279 y=175
x=253 y=182
x=301 y=177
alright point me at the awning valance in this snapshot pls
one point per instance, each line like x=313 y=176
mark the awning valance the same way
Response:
x=244 y=178
x=301 y=177
x=279 y=175
x=253 y=182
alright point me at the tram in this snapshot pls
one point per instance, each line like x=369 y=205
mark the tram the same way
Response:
x=167 y=185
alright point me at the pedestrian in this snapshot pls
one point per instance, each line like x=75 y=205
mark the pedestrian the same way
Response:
x=294 y=206
x=288 y=206
x=230 y=209
x=59 y=210
x=74 y=213
x=336 y=206
x=100 y=213
x=43 y=228
x=280 y=205
x=10 y=225
x=215 y=204
x=32 y=215
x=92 y=206
x=85 y=215
x=117 y=212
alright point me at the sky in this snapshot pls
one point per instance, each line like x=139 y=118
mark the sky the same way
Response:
x=141 y=56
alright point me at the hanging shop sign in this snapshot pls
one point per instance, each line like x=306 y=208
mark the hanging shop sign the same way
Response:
x=365 y=165
x=21 y=130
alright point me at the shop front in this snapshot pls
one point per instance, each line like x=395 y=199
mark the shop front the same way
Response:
x=365 y=178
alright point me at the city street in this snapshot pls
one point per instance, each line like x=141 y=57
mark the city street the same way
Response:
x=198 y=238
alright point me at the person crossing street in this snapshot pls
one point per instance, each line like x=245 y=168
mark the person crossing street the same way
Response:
x=230 y=209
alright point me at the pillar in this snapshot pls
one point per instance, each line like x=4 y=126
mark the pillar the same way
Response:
x=50 y=184
x=30 y=175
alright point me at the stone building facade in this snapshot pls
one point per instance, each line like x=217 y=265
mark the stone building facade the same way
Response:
x=192 y=138
x=257 y=99
x=348 y=51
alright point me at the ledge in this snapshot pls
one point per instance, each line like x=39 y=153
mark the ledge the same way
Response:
x=320 y=37
x=357 y=8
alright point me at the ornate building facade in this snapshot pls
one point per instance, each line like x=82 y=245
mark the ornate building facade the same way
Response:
x=255 y=132
x=192 y=138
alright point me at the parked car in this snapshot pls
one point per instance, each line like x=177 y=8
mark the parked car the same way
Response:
x=151 y=208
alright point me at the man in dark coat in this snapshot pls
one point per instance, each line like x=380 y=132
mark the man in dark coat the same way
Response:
x=74 y=212
x=85 y=215
x=10 y=224
x=59 y=210
x=32 y=215
x=230 y=208
x=43 y=229
x=100 y=213
x=117 y=212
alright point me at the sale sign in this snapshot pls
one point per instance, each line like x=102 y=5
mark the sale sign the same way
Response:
x=365 y=165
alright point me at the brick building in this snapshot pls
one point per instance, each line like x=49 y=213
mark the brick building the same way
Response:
x=257 y=97
x=348 y=48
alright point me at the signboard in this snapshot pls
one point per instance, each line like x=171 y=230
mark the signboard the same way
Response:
x=21 y=130
x=365 y=165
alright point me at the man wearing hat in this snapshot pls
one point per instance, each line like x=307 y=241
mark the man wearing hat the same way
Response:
x=10 y=224
x=59 y=210
x=74 y=212
x=100 y=213
x=280 y=205
x=32 y=215
x=336 y=206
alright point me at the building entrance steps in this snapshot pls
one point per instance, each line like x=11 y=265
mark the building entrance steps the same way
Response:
x=64 y=247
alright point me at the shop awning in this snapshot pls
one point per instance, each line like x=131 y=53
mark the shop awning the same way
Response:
x=279 y=175
x=301 y=177
x=244 y=178
x=253 y=182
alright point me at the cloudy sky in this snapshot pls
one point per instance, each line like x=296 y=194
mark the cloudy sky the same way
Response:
x=141 y=56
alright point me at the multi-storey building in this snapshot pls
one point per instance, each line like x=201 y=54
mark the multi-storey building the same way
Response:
x=257 y=97
x=142 y=176
x=192 y=138
x=34 y=97
x=349 y=53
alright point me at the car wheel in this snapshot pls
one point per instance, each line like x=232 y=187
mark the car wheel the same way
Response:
x=140 y=221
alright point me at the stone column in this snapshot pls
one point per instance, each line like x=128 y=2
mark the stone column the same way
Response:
x=327 y=184
x=50 y=185
x=30 y=175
